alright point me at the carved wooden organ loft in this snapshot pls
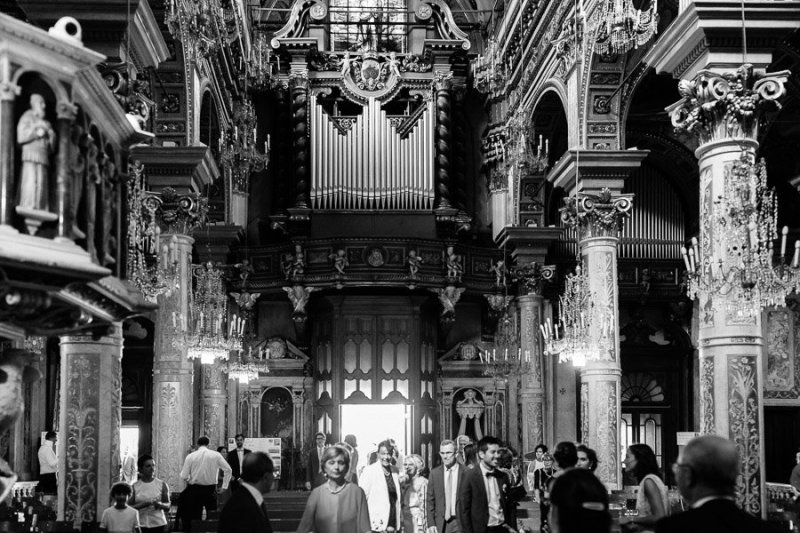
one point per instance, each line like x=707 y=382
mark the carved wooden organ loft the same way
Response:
x=372 y=115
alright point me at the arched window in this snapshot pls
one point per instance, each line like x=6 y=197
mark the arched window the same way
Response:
x=368 y=25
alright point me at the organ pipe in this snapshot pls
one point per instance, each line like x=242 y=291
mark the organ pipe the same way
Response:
x=369 y=165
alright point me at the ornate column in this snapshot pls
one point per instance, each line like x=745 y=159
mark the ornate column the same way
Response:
x=599 y=221
x=8 y=94
x=89 y=423
x=213 y=404
x=298 y=82
x=724 y=110
x=67 y=111
x=532 y=396
x=441 y=85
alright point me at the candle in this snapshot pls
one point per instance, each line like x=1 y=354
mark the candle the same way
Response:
x=174 y=320
x=480 y=356
x=784 y=232
x=796 y=257
x=685 y=258
x=544 y=333
x=255 y=135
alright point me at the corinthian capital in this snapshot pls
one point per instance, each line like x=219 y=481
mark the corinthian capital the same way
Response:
x=722 y=106
x=299 y=79
x=176 y=213
x=597 y=215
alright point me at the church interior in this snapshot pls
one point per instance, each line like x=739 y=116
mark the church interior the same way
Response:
x=540 y=220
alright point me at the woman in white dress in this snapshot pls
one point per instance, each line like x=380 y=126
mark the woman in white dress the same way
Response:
x=414 y=491
x=652 y=501
x=150 y=497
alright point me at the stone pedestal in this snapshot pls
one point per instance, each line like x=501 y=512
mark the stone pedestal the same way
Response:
x=173 y=373
x=89 y=422
x=213 y=404
x=730 y=340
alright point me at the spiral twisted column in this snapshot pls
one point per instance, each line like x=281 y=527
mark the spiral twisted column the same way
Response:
x=723 y=111
x=442 y=85
x=298 y=83
x=283 y=146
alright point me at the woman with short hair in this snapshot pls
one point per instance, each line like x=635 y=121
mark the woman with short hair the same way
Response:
x=414 y=491
x=336 y=506
x=150 y=496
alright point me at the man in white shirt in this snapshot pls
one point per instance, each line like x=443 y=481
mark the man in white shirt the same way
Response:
x=200 y=471
x=48 y=464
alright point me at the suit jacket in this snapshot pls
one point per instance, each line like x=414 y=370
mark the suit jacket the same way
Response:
x=243 y=515
x=716 y=516
x=233 y=460
x=473 y=502
x=435 y=499
x=313 y=474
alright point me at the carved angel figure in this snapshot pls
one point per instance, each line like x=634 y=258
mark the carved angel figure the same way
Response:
x=394 y=64
x=245 y=300
x=340 y=261
x=498 y=302
x=414 y=261
x=299 y=296
x=453 y=263
x=500 y=272
x=449 y=297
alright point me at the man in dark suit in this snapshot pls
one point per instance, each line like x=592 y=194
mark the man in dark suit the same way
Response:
x=482 y=504
x=246 y=511
x=441 y=498
x=706 y=473
x=314 y=476
x=235 y=459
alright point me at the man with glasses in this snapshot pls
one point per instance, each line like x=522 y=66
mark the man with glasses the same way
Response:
x=441 y=499
x=706 y=473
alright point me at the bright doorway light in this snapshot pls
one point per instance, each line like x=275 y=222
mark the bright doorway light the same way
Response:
x=372 y=424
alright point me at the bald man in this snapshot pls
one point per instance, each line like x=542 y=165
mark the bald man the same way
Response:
x=706 y=473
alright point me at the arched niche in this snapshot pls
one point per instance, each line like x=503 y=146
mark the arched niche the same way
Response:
x=277 y=413
x=550 y=120
x=209 y=133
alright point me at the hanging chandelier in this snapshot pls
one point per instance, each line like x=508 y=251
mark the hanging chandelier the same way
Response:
x=620 y=26
x=746 y=219
x=259 y=65
x=242 y=368
x=153 y=270
x=507 y=358
x=487 y=70
x=198 y=24
x=211 y=334
x=237 y=146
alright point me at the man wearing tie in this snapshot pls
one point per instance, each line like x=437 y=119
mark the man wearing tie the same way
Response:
x=236 y=460
x=246 y=511
x=314 y=476
x=482 y=505
x=441 y=498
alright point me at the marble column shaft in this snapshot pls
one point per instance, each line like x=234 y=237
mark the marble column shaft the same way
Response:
x=89 y=420
x=532 y=400
x=214 y=399
x=8 y=94
x=724 y=111
x=173 y=373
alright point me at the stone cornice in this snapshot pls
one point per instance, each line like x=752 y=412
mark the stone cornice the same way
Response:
x=528 y=244
x=213 y=243
x=599 y=169
x=146 y=37
x=707 y=35
x=184 y=168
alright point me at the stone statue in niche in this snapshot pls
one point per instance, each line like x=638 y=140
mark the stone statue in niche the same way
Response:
x=37 y=139
x=414 y=261
x=340 y=261
x=108 y=185
x=470 y=408
x=454 y=265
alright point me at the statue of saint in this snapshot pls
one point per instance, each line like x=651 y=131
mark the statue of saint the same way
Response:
x=36 y=137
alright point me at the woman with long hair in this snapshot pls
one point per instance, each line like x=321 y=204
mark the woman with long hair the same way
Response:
x=381 y=484
x=587 y=458
x=652 y=501
x=336 y=506
x=579 y=504
x=352 y=472
x=415 y=489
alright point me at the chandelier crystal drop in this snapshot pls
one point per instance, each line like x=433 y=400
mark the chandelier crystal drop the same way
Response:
x=488 y=73
x=200 y=26
x=570 y=336
x=620 y=26
x=746 y=272
x=259 y=63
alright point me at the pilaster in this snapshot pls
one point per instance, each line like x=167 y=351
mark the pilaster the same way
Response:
x=730 y=342
x=89 y=421
x=214 y=396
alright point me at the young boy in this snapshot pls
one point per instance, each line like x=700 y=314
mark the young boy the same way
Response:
x=120 y=518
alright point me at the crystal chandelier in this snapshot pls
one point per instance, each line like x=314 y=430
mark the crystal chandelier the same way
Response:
x=198 y=24
x=212 y=335
x=620 y=26
x=487 y=70
x=242 y=369
x=746 y=219
x=237 y=146
x=507 y=359
x=535 y=162
x=259 y=67
x=152 y=270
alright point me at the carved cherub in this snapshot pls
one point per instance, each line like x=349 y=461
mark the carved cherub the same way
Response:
x=299 y=296
x=293 y=265
x=245 y=300
x=245 y=270
x=414 y=261
x=452 y=261
x=449 y=297
x=394 y=64
x=340 y=261
x=500 y=272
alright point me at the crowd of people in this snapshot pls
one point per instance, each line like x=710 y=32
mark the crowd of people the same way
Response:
x=476 y=488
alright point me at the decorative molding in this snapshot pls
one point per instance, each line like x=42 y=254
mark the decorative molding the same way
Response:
x=597 y=215
x=744 y=429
